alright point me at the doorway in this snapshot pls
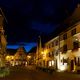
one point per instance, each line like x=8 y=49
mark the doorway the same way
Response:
x=72 y=65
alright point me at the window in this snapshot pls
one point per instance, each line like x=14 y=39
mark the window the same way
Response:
x=75 y=60
x=49 y=54
x=49 y=45
x=49 y=63
x=52 y=54
x=73 y=32
x=52 y=44
x=65 y=36
x=78 y=61
x=56 y=42
x=20 y=54
x=56 y=53
x=75 y=45
x=64 y=48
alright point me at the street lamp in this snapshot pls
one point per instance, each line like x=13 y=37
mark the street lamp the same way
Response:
x=44 y=53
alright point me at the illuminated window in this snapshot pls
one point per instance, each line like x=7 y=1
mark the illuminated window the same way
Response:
x=49 y=63
x=64 y=61
x=52 y=62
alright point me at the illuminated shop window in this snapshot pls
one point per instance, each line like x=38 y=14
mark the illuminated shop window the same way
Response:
x=52 y=62
x=49 y=63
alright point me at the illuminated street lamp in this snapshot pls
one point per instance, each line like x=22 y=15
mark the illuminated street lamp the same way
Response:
x=44 y=54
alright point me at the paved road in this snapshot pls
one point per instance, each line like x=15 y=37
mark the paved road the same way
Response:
x=29 y=73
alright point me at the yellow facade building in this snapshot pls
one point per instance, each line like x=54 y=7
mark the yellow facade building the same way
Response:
x=17 y=57
x=63 y=51
x=51 y=50
x=3 y=43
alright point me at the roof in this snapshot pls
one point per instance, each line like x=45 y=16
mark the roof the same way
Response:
x=33 y=50
x=67 y=23
x=21 y=48
x=11 y=51
x=75 y=17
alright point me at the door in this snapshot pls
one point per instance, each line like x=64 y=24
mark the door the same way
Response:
x=72 y=65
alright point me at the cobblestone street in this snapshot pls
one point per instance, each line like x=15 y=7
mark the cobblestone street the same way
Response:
x=29 y=73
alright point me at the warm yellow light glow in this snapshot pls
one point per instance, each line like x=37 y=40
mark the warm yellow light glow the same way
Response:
x=76 y=39
x=49 y=63
x=28 y=57
x=12 y=57
x=12 y=63
x=45 y=51
x=42 y=52
x=7 y=58
x=26 y=63
x=63 y=67
x=52 y=62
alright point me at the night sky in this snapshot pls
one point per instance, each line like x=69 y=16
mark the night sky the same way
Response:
x=27 y=19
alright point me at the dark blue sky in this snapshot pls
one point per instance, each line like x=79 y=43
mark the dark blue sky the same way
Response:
x=27 y=19
x=27 y=46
